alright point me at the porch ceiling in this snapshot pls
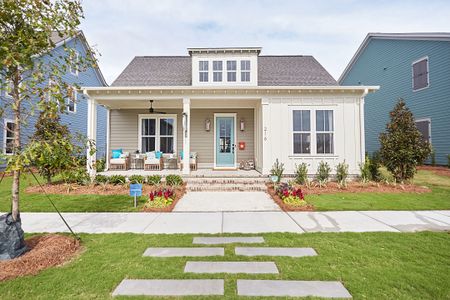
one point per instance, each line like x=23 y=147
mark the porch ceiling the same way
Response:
x=178 y=103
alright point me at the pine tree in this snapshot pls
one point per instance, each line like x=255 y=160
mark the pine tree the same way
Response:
x=402 y=146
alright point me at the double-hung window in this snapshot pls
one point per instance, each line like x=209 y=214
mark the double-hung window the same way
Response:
x=424 y=127
x=71 y=99
x=8 y=88
x=8 y=137
x=245 y=70
x=420 y=74
x=302 y=131
x=166 y=135
x=231 y=70
x=157 y=133
x=324 y=131
x=217 y=70
x=203 y=67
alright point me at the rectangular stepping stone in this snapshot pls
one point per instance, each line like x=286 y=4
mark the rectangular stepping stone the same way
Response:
x=182 y=252
x=268 y=251
x=191 y=287
x=228 y=240
x=231 y=267
x=284 y=288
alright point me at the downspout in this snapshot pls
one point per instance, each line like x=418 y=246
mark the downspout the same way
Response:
x=362 y=129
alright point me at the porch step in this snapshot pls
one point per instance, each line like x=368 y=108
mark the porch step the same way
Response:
x=226 y=184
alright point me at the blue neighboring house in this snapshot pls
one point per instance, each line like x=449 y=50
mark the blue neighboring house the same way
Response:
x=412 y=66
x=76 y=113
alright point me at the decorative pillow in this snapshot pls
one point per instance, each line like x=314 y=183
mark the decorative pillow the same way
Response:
x=181 y=155
x=116 y=153
x=158 y=154
x=150 y=155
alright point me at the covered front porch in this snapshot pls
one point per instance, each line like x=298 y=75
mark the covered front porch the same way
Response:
x=204 y=135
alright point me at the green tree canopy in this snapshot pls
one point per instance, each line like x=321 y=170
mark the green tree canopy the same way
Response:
x=402 y=145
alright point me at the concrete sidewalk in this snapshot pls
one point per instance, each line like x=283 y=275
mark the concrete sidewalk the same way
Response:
x=240 y=222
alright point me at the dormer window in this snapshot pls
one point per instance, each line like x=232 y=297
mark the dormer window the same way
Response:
x=74 y=61
x=203 y=70
x=245 y=70
x=217 y=70
x=231 y=70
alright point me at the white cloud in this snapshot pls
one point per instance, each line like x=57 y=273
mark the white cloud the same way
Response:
x=329 y=30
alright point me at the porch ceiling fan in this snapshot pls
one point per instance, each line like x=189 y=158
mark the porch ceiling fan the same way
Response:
x=152 y=111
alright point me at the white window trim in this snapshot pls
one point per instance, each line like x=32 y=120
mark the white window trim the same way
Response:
x=234 y=115
x=428 y=73
x=296 y=131
x=313 y=131
x=8 y=89
x=75 y=94
x=203 y=71
x=157 y=134
x=236 y=71
x=71 y=69
x=5 y=122
x=217 y=71
x=429 y=126
x=247 y=70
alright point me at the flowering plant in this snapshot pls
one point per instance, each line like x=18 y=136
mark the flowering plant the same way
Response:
x=160 y=198
x=290 y=195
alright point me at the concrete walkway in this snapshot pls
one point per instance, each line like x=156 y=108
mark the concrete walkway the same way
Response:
x=240 y=222
x=226 y=201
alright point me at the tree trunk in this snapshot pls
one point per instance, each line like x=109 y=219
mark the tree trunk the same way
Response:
x=16 y=148
x=49 y=179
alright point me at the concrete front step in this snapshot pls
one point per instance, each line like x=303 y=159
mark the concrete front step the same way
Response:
x=272 y=251
x=285 y=288
x=184 y=252
x=185 y=287
x=226 y=188
x=231 y=267
x=226 y=180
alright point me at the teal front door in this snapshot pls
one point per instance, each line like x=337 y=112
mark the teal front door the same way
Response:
x=225 y=147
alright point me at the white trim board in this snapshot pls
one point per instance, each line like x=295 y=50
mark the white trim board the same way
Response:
x=157 y=135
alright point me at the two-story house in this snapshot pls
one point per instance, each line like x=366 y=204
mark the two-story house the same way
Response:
x=233 y=105
x=412 y=66
x=76 y=112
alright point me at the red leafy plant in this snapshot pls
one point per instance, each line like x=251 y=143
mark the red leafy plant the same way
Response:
x=290 y=195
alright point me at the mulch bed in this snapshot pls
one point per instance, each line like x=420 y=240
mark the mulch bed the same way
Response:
x=45 y=251
x=359 y=187
x=284 y=206
x=442 y=171
x=178 y=193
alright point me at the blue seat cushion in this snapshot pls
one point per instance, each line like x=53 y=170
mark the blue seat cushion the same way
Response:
x=116 y=153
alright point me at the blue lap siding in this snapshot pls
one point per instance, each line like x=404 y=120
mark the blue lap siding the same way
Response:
x=388 y=63
x=77 y=122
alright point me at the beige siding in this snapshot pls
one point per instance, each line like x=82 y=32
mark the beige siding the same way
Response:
x=124 y=128
x=124 y=132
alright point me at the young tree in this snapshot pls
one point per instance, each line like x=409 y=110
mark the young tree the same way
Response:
x=51 y=148
x=402 y=146
x=26 y=28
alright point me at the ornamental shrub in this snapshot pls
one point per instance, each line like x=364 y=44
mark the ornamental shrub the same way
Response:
x=364 y=169
x=374 y=166
x=277 y=170
x=301 y=173
x=174 y=180
x=137 y=179
x=154 y=179
x=402 y=146
x=323 y=173
x=342 y=173
x=101 y=179
x=433 y=157
x=100 y=164
x=117 y=179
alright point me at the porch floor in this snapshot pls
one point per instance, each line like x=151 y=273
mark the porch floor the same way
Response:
x=209 y=173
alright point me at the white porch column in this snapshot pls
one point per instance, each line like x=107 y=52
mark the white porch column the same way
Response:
x=362 y=128
x=186 y=134
x=108 y=137
x=91 y=135
x=266 y=143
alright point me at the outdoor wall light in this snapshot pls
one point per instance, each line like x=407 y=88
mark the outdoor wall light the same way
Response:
x=242 y=125
x=185 y=123
x=207 y=124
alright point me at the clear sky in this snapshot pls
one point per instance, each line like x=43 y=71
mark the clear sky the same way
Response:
x=331 y=31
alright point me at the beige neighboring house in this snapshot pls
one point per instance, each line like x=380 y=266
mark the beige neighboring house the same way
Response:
x=229 y=107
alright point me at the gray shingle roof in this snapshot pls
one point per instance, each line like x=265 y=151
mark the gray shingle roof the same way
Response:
x=176 y=71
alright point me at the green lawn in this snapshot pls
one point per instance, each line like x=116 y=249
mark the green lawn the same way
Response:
x=370 y=265
x=439 y=198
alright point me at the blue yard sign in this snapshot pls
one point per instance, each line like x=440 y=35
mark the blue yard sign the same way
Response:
x=135 y=191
